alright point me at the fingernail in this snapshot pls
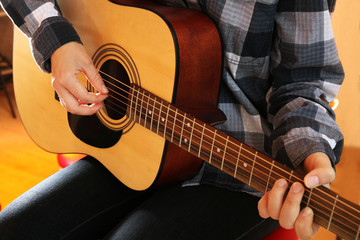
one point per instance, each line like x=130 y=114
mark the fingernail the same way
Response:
x=306 y=212
x=296 y=187
x=282 y=182
x=312 y=181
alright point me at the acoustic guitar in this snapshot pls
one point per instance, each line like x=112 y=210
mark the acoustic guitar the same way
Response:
x=162 y=67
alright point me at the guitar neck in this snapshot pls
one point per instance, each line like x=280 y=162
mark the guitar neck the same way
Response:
x=238 y=159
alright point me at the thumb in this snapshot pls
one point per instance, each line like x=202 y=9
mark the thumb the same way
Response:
x=94 y=77
x=320 y=170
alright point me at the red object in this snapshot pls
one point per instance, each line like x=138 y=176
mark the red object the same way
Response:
x=65 y=160
x=282 y=234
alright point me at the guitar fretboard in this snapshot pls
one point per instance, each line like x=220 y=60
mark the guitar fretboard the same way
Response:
x=238 y=159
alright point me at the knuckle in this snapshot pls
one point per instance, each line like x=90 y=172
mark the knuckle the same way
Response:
x=274 y=214
x=71 y=108
x=300 y=226
x=62 y=79
x=85 y=97
x=286 y=223
x=331 y=173
x=263 y=211
x=87 y=61
x=293 y=199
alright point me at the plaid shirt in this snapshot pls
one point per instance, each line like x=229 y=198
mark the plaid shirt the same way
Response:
x=281 y=70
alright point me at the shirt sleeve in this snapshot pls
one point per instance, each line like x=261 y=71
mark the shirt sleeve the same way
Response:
x=41 y=21
x=306 y=77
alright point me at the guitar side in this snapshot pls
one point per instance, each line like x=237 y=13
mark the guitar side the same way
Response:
x=157 y=48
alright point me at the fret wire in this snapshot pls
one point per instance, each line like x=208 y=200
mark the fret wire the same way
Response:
x=152 y=114
x=147 y=109
x=166 y=121
x=213 y=141
x=212 y=146
x=191 y=135
x=174 y=124
x=341 y=216
x=308 y=201
x=325 y=192
x=346 y=204
x=141 y=106
x=358 y=232
x=136 y=106
x=160 y=111
x=252 y=169
x=237 y=160
x=267 y=184
x=201 y=140
x=332 y=211
x=272 y=165
x=251 y=153
x=182 y=129
x=131 y=102
x=223 y=157
x=281 y=169
x=291 y=174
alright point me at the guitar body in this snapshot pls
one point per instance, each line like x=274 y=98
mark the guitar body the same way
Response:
x=173 y=53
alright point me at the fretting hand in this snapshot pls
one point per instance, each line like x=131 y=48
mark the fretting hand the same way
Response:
x=286 y=209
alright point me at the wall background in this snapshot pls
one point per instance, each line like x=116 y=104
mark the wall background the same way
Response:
x=346 y=26
x=6 y=36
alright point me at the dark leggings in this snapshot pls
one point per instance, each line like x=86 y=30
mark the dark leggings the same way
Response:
x=84 y=201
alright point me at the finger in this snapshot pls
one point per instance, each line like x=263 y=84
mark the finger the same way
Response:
x=94 y=77
x=81 y=93
x=72 y=105
x=291 y=207
x=276 y=198
x=262 y=206
x=85 y=109
x=82 y=109
x=304 y=226
x=70 y=84
x=319 y=176
x=320 y=170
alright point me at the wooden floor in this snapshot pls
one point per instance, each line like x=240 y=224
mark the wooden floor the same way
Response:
x=23 y=164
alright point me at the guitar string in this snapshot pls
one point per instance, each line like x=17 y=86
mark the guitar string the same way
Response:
x=172 y=111
x=258 y=170
x=194 y=123
x=305 y=197
x=201 y=126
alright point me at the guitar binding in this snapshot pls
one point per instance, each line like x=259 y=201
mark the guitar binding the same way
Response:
x=118 y=71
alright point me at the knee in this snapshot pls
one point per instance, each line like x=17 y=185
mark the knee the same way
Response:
x=14 y=224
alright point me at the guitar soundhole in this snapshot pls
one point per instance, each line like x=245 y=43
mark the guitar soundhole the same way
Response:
x=117 y=81
x=118 y=71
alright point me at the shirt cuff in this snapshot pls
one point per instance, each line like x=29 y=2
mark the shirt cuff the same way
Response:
x=52 y=34
x=292 y=153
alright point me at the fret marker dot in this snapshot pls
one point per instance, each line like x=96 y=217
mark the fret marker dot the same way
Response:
x=162 y=119
x=245 y=165
x=150 y=112
x=185 y=140
x=188 y=124
x=218 y=150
